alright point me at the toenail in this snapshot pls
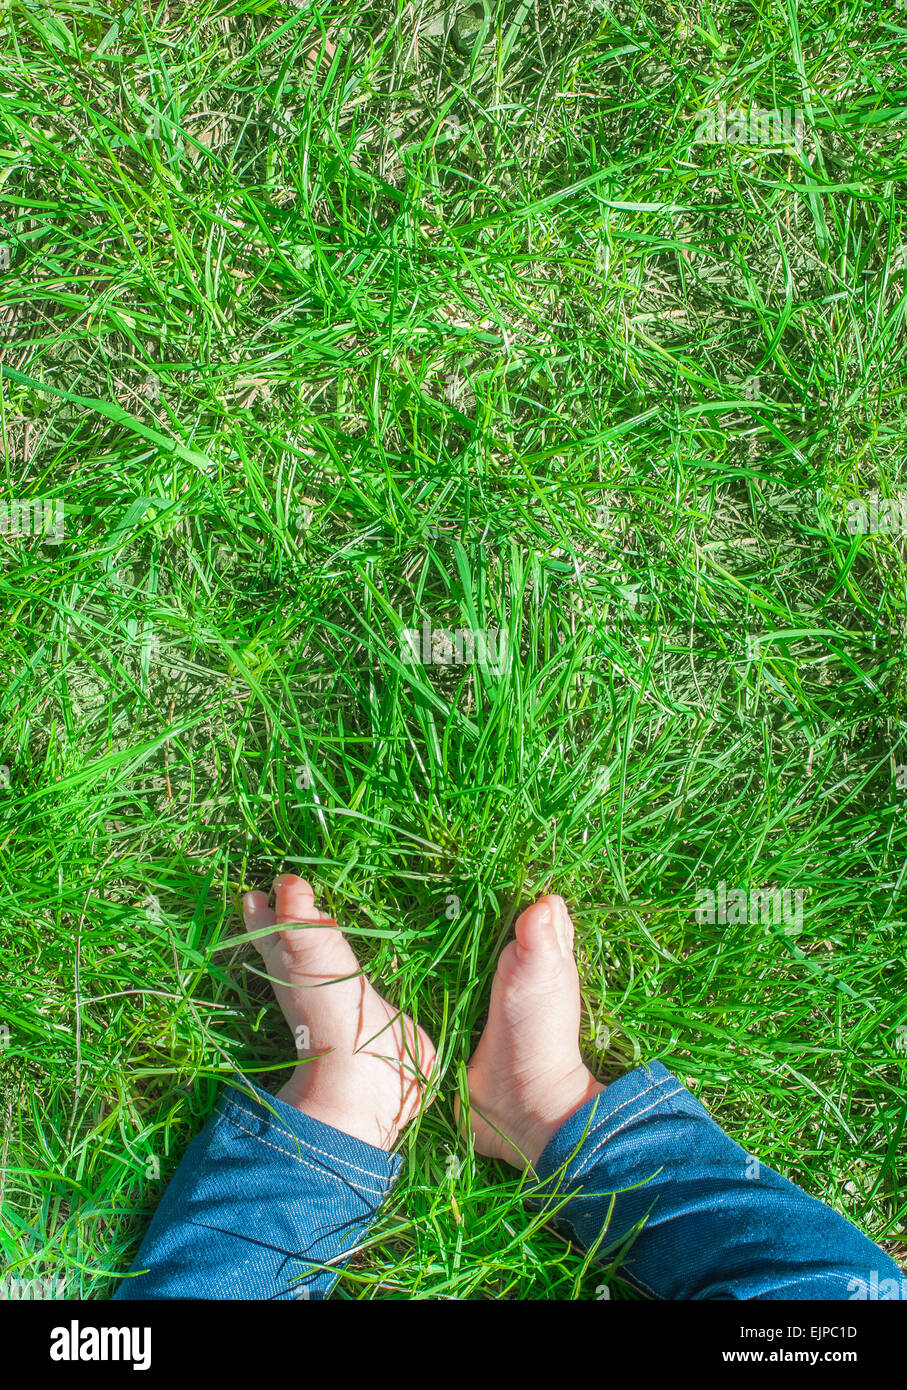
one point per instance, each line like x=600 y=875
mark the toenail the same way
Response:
x=544 y=916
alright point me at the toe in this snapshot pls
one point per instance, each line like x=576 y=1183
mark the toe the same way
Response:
x=315 y=947
x=536 y=928
x=257 y=916
x=294 y=901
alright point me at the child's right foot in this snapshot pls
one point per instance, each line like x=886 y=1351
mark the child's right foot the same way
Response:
x=526 y=1076
x=369 y=1063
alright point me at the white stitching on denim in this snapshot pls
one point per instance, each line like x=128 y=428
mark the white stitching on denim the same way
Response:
x=372 y=1192
x=611 y=1133
x=314 y=1147
x=623 y=1105
x=820 y=1274
x=665 y=1081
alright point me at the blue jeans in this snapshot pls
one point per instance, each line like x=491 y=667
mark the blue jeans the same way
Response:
x=269 y=1204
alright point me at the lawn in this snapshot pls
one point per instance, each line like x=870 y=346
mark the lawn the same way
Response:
x=578 y=326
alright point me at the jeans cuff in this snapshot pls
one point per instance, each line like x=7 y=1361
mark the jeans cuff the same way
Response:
x=313 y=1143
x=582 y=1137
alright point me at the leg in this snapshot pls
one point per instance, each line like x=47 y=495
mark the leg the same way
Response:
x=277 y=1191
x=639 y=1165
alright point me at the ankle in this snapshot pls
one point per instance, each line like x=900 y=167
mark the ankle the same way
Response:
x=349 y=1118
x=576 y=1092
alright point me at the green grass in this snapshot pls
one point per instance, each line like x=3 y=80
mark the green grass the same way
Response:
x=322 y=326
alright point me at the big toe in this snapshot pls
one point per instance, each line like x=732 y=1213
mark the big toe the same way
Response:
x=306 y=945
x=540 y=931
x=294 y=901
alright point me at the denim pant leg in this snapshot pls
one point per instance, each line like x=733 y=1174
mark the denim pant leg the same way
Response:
x=264 y=1197
x=717 y=1223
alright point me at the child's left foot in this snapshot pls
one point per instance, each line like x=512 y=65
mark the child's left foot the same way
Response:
x=376 y=1063
x=527 y=1075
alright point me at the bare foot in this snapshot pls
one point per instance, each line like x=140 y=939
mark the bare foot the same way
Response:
x=371 y=1062
x=526 y=1076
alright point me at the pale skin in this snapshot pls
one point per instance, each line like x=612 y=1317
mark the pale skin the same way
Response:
x=372 y=1065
